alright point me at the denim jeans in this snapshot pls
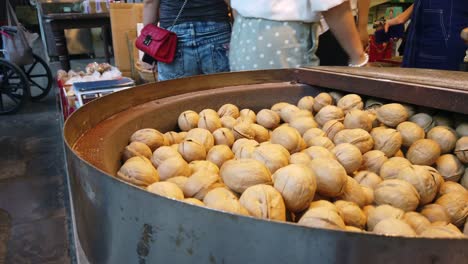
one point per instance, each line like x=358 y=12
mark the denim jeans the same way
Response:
x=202 y=48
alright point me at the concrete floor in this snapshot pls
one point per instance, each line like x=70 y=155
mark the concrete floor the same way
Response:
x=35 y=214
x=33 y=192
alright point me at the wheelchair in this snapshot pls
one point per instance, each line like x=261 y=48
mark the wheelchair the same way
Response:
x=21 y=83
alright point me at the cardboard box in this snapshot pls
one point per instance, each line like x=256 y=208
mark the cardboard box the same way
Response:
x=124 y=19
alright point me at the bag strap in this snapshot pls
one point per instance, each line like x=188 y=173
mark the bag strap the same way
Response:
x=180 y=12
x=11 y=15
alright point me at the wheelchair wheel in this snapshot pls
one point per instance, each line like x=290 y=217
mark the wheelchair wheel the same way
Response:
x=14 y=87
x=39 y=77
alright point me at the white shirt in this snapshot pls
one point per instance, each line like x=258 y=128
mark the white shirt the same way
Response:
x=284 y=10
x=323 y=24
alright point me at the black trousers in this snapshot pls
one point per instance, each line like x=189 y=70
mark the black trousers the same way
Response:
x=330 y=51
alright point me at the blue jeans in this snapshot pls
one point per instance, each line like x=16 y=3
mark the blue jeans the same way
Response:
x=202 y=48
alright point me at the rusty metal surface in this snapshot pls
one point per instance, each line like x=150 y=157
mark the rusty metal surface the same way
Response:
x=120 y=223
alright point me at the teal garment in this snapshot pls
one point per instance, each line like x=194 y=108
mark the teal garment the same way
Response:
x=266 y=44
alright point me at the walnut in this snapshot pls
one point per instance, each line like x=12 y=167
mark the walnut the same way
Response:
x=202 y=136
x=193 y=201
x=207 y=111
x=423 y=152
x=203 y=165
x=180 y=181
x=166 y=189
x=219 y=154
x=175 y=166
x=151 y=137
x=353 y=192
x=315 y=152
x=435 y=213
x=273 y=156
x=423 y=120
x=261 y=134
x=288 y=111
x=373 y=104
x=264 y=201
x=138 y=170
x=245 y=152
x=392 y=167
x=322 y=217
x=410 y=132
x=386 y=140
x=322 y=142
x=449 y=186
x=188 y=120
x=324 y=203
x=422 y=180
x=336 y=96
x=223 y=136
x=350 y=102
x=238 y=175
x=248 y=114
x=243 y=130
x=417 y=221
x=461 y=149
x=367 y=179
x=464 y=179
x=163 y=153
x=228 y=121
x=352 y=214
x=243 y=142
x=398 y=193
x=331 y=128
x=200 y=183
x=306 y=103
x=313 y=132
x=302 y=124
x=136 y=149
x=381 y=212
x=442 y=119
x=462 y=129
x=278 y=106
x=209 y=122
x=373 y=160
x=299 y=158
x=289 y=138
x=322 y=100
x=368 y=194
x=192 y=150
x=445 y=137
x=394 y=227
x=297 y=185
x=228 y=110
x=349 y=156
x=331 y=176
x=174 y=137
x=358 y=119
x=224 y=200
x=392 y=114
x=456 y=206
x=268 y=119
x=450 y=167
x=356 y=136
x=327 y=113
x=442 y=230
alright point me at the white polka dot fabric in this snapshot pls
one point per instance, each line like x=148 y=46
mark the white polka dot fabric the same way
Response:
x=266 y=44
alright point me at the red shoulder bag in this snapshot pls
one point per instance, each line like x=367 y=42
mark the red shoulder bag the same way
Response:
x=158 y=42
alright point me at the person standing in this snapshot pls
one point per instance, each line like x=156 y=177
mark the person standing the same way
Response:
x=330 y=52
x=433 y=39
x=273 y=34
x=203 y=30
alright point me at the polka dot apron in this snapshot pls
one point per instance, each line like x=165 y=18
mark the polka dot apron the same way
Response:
x=266 y=44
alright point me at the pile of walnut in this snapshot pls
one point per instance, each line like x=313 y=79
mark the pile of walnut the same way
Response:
x=349 y=166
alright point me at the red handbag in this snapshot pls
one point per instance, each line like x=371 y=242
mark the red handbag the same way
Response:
x=158 y=42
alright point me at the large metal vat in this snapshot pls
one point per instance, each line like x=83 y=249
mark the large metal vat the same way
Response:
x=120 y=223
